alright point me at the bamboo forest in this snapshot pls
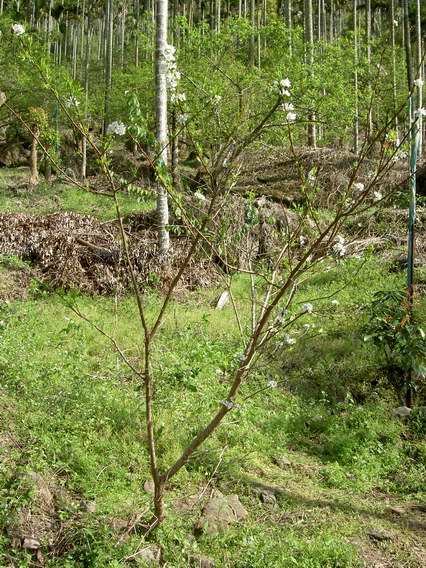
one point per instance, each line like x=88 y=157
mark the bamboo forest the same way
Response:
x=212 y=283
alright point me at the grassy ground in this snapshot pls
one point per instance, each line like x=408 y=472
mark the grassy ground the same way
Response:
x=73 y=458
x=15 y=198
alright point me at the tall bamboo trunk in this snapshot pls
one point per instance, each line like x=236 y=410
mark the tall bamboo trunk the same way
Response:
x=419 y=65
x=252 y=32
x=368 y=53
x=356 y=117
x=108 y=61
x=393 y=48
x=309 y=46
x=161 y=122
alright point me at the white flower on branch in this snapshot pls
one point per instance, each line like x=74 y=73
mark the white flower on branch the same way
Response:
x=335 y=302
x=291 y=116
x=116 y=128
x=419 y=83
x=199 y=196
x=359 y=186
x=71 y=102
x=339 y=247
x=179 y=97
x=182 y=118
x=169 y=52
x=229 y=404
x=307 y=308
x=377 y=196
x=283 y=86
x=288 y=340
x=420 y=112
x=18 y=29
x=272 y=384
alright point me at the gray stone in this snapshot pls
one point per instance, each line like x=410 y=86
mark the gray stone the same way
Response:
x=379 y=535
x=265 y=494
x=31 y=543
x=219 y=513
x=88 y=506
x=281 y=461
x=14 y=155
x=201 y=561
x=402 y=411
x=149 y=555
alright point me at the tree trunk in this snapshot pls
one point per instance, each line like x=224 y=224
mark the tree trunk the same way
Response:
x=252 y=32
x=356 y=118
x=309 y=47
x=419 y=65
x=368 y=53
x=407 y=36
x=34 y=178
x=161 y=123
x=86 y=90
x=108 y=61
x=393 y=48
x=289 y=24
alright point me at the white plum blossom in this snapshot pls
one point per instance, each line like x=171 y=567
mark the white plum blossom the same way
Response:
x=335 y=302
x=339 y=247
x=395 y=23
x=307 y=308
x=302 y=240
x=169 y=52
x=272 y=384
x=216 y=99
x=419 y=82
x=172 y=74
x=71 y=102
x=359 y=186
x=377 y=196
x=283 y=86
x=199 y=196
x=18 y=29
x=182 y=118
x=291 y=116
x=421 y=111
x=349 y=202
x=289 y=340
x=288 y=106
x=229 y=404
x=116 y=128
x=179 y=97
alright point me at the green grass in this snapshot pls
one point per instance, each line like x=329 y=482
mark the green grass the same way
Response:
x=58 y=197
x=72 y=413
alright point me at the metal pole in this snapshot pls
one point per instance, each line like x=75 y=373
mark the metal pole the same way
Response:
x=414 y=146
